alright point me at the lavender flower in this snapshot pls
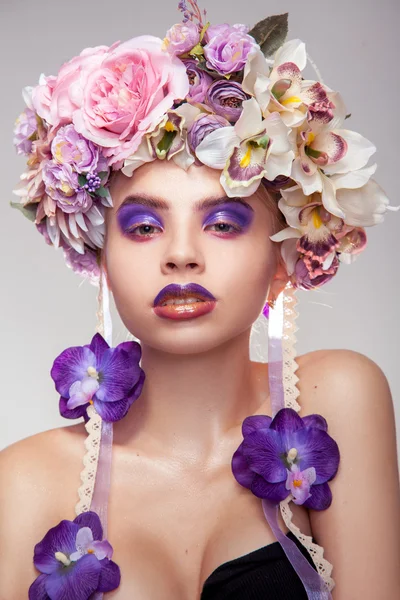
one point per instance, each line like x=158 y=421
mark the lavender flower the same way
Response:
x=204 y=125
x=287 y=453
x=109 y=378
x=25 y=131
x=63 y=187
x=199 y=80
x=85 y=264
x=181 y=38
x=228 y=48
x=226 y=98
x=69 y=147
x=73 y=561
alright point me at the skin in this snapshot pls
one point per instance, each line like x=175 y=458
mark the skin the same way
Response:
x=176 y=513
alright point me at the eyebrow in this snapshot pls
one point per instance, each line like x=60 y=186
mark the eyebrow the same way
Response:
x=200 y=205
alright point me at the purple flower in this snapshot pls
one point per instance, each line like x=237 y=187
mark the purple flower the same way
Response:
x=73 y=561
x=25 y=131
x=69 y=147
x=226 y=98
x=302 y=273
x=228 y=47
x=204 y=125
x=280 y=455
x=62 y=186
x=299 y=483
x=182 y=37
x=109 y=378
x=199 y=80
x=85 y=264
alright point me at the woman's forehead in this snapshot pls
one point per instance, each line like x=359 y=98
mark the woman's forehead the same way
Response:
x=166 y=180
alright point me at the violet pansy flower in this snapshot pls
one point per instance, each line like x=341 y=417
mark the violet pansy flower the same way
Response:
x=74 y=561
x=109 y=378
x=287 y=454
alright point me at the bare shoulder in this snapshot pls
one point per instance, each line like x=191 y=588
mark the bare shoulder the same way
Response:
x=39 y=479
x=351 y=391
x=342 y=379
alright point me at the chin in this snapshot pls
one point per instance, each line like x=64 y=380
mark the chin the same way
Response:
x=193 y=336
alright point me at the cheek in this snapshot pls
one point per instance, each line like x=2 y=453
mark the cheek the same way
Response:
x=242 y=274
x=129 y=278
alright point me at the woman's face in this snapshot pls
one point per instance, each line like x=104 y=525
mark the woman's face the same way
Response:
x=170 y=226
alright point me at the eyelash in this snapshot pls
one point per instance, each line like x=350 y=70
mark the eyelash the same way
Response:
x=234 y=229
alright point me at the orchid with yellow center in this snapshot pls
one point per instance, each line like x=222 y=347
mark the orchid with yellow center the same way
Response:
x=278 y=85
x=325 y=149
x=248 y=151
x=74 y=561
x=167 y=140
x=317 y=233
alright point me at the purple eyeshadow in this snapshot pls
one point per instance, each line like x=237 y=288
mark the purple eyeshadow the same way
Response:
x=234 y=212
x=132 y=215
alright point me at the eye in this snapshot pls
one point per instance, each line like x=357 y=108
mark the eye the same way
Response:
x=144 y=230
x=223 y=227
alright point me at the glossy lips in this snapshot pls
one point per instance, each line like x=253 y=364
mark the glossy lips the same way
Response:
x=181 y=302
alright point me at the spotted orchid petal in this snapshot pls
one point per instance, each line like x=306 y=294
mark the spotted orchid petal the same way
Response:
x=359 y=151
x=243 y=190
x=293 y=51
x=309 y=183
x=246 y=165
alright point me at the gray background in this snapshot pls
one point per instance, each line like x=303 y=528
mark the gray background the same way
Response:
x=45 y=308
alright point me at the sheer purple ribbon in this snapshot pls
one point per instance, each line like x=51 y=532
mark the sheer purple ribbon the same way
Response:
x=99 y=503
x=313 y=583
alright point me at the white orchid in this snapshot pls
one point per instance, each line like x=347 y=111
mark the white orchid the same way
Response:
x=167 y=140
x=246 y=152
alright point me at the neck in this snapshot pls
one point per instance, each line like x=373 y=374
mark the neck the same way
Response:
x=191 y=402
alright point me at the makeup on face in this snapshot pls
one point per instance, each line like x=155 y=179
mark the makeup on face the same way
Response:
x=138 y=211
x=238 y=215
x=131 y=216
x=183 y=301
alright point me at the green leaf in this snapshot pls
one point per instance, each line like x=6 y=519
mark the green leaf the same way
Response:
x=270 y=33
x=29 y=211
x=347 y=116
x=202 y=65
x=82 y=180
x=102 y=192
x=102 y=174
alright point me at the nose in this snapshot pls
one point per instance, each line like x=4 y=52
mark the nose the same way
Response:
x=182 y=253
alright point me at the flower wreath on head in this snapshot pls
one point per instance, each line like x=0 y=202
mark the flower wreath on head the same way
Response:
x=235 y=100
x=218 y=95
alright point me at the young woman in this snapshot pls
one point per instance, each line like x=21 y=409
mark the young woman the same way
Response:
x=191 y=263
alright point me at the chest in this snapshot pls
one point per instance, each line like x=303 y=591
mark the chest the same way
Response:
x=171 y=529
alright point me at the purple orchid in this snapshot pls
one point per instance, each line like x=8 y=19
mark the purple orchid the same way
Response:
x=73 y=561
x=109 y=378
x=287 y=454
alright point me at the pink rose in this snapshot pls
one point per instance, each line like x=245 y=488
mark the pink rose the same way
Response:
x=56 y=98
x=126 y=95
